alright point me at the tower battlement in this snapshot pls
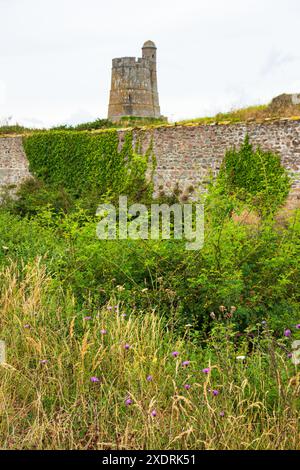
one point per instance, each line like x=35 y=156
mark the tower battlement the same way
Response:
x=134 y=86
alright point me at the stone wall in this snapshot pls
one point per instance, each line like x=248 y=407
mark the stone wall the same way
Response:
x=13 y=161
x=189 y=155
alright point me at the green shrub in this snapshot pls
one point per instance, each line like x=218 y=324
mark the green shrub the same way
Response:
x=255 y=269
x=254 y=176
x=86 y=126
x=34 y=195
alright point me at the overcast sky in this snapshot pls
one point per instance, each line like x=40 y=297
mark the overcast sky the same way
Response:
x=213 y=55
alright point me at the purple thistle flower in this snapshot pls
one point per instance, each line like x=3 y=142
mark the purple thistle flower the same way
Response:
x=26 y=326
x=44 y=361
x=127 y=347
x=109 y=308
x=175 y=353
x=187 y=386
x=298 y=326
x=87 y=318
x=186 y=363
x=95 y=380
x=287 y=333
x=149 y=378
x=206 y=370
x=290 y=355
x=222 y=414
x=215 y=393
x=154 y=413
x=103 y=332
x=128 y=402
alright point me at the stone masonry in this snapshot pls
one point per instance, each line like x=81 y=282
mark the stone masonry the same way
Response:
x=186 y=155
x=134 y=86
x=14 y=166
x=189 y=155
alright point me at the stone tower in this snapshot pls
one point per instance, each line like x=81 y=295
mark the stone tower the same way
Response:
x=134 y=86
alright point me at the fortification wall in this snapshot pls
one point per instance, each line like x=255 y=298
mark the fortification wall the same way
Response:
x=14 y=166
x=189 y=155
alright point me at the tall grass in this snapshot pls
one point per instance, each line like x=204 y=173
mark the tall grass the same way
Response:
x=48 y=400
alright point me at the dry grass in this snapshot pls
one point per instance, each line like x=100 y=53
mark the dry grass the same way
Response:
x=55 y=405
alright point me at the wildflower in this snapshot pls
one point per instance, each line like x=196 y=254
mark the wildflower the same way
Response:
x=187 y=386
x=87 y=318
x=287 y=333
x=127 y=347
x=103 y=332
x=154 y=413
x=186 y=363
x=109 y=308
x=241 y=358
x=26 y=326
x=206 y=370
x=128 y=402
x=215 y=393
x=222 y=414
x=175 y=353
x=95 y=380
x=233 y=309
x=124 y=315
x=264 y=323
x=290 y=355
x=149 y=378
x=44 y=361
x=213 y=316
x=222 y=308
x=298 y=327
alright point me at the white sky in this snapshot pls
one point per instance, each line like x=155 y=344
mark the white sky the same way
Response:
x=213 y=55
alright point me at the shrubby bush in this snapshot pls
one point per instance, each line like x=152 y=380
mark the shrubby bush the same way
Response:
x=255 y=177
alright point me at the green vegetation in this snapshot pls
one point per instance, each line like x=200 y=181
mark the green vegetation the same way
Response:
x=234 y=116
x=87 y=163
x=93 y=378
x=93 y=327
x=98 y=124
x=254 y=176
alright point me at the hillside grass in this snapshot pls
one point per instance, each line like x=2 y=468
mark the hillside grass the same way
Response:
x=256 y=113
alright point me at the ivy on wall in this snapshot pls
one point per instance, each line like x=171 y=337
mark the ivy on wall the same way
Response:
x=83 y=162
